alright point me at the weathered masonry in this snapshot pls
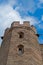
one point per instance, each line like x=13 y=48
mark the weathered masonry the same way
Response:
x=20 y=46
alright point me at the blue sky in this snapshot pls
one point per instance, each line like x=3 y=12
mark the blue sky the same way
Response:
x=20 y=10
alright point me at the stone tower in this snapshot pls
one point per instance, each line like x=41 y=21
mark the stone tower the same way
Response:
x=20 y=45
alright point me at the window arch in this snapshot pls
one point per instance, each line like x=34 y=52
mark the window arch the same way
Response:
x=20 y=49
x=21 y=34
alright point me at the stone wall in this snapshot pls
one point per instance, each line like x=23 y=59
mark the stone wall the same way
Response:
x=9 y=48
x=32 y=54
x=5 y=48
x=41 y=48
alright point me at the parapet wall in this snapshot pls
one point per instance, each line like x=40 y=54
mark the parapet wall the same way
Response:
x=25 y=24
x=17 y=23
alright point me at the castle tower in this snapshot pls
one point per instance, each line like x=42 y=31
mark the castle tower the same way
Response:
x=20 y=45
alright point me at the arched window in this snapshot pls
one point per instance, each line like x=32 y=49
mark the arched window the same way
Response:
x=21 y=34
x=20 y=49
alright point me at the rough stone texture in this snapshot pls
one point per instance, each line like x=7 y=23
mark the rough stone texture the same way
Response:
x=9 y=48
x=5 y=48
x=41 y=48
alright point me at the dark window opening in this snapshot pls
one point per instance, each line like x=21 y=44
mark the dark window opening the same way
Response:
x=21 y=34
x=20 y=49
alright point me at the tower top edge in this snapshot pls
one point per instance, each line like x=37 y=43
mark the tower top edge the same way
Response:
x=17 y=23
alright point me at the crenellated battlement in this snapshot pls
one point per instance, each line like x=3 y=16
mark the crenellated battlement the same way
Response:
x=17 y=23
x=25 y=24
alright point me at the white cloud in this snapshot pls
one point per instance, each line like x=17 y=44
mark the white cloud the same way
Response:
x=32 y=20
x=26 y=6
x=40 y=4
x=12 y=2
x=8 y=15
x=8 y=2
